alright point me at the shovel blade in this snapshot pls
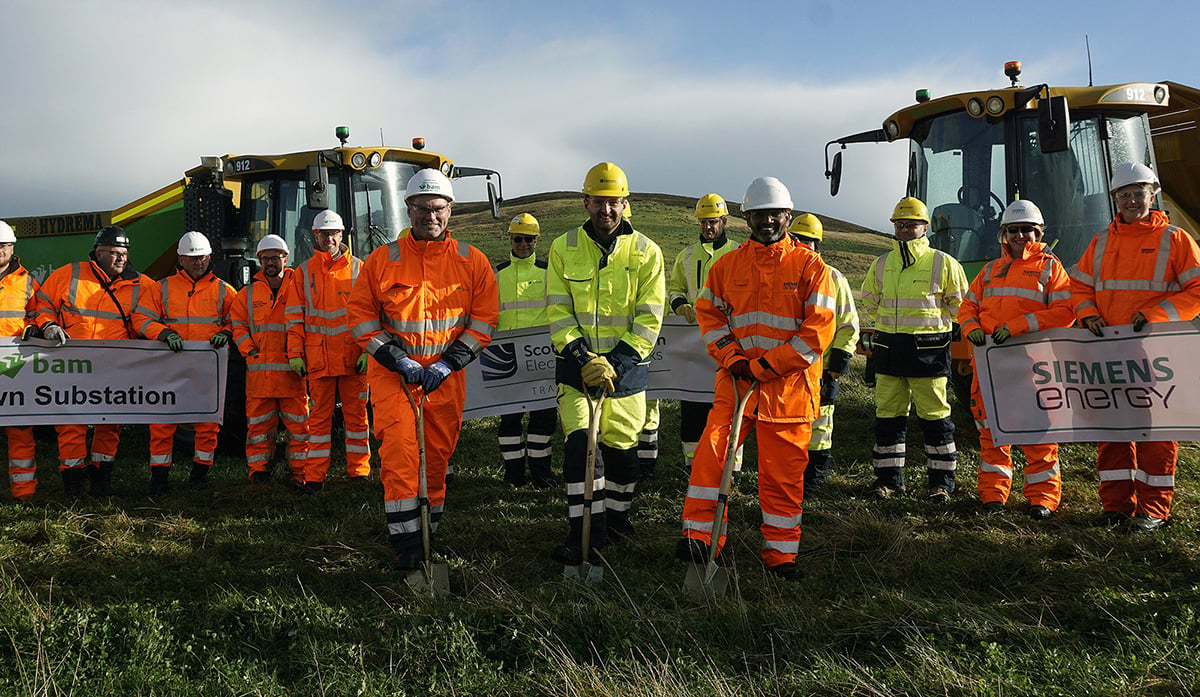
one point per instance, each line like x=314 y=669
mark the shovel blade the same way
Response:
x=433 y=580
x=703 y=581
x=586 y=573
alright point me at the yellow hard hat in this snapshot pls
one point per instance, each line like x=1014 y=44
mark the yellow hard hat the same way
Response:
x=711 y=206
x=524 y=224
x=910 y=208
x=808 y=225
x=606 y=179
x=627 y=214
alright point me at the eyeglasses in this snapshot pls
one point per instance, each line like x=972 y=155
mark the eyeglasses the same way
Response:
x=1021 y=230
x=416 y=211
x=775 y=214
x=115 y=254
x=1139 y=195
x=272 y=257
x=607 y=202
x=523 y=239
x=908 y=224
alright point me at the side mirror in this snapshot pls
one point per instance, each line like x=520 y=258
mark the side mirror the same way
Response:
x=835 y=174
x=316 y=191
x=1054 y=125
x=493 y=199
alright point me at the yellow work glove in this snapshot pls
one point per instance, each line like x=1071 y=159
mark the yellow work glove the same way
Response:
x=361 y=364
x=298 y=366
x=597 y=372
x=687 y=311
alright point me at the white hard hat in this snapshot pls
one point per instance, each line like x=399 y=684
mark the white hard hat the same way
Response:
x=1020 y=211
x=269 y=242
x=766 y=193
x=429 y=181
x=193 y=244
x=6 y=233
x=1132 y=173
x=328 y=220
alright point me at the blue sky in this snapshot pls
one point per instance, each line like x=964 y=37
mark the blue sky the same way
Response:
x=113 y=100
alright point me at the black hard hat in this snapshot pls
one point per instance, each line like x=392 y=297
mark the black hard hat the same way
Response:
x=111 y=235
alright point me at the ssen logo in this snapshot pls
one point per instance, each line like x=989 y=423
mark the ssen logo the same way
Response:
x=498 y=361
x=11 y=365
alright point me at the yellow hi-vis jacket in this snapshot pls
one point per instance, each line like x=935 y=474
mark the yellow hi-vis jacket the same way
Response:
x=609 y=301
x=691 y=270
x=841 y=349
x=522 y=285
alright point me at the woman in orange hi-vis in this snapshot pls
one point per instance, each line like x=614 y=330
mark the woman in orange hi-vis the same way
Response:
x=17 y=290
x=424 y=307
x=1139 y=269
x=766 y=314
x=1026 y=290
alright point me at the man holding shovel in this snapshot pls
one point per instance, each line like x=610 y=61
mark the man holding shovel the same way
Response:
x=767 y=315
x=424 y=306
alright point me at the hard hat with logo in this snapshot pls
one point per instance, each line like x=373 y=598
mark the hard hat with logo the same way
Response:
x=269 y=242
x=1132 y=173
x=112 y=236
x=193 y=244
x=606 y=179
x=429 y=181
x=1022 y=211
x=328 y=220
x=808 y=225
x=6 y=233
x=910 y=208
x=711 y=206
x=524 y=224
x=766 y=193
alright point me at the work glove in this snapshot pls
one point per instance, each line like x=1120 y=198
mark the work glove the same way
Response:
x=361 y=364
x=253 y=353
x=435 y=374
x=598 y=371
x=171 y=338
x=1095 y=324
x=1001 y=335
x=955 y=332
x=220 y=338
x=976 y=336
x=687 y=311
x=1139 y=321
x=298 y=366
x=31 y=332
x=866 y=340
x=394 y=358
x=740 y=370
x=55 y=333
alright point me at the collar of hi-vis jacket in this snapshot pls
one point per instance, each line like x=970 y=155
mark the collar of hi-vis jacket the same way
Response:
x=911 y=250
x=625 y=228
x=771 y=252
x=517 y=261
x=1157 y=221
x=1031 y=250
x=327 y=259
x=429 y=248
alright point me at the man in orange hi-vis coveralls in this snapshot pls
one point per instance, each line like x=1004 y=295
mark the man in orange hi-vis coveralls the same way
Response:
x=196 y=306
x=17 y=289
x=1140 y=269
x=102 y=298
x=767 y=314
x=424 y=307
x=273 y=390
x=321 y=346
x=1026 y=290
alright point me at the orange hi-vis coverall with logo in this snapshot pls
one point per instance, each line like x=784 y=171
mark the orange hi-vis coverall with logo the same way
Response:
x=1151 y=267
x=273 y=389
x=774 y=306
x=319 y=333
x=435 y=300
x=17 y=291
x=74 y=297
x=1026 y=295
x=195 y=309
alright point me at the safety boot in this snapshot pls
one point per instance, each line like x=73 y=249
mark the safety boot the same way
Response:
x=788 y=571
x=158 y=479
x=514 y=473
x=691 y=551
x=620 y=529
x=72 y=479
x=198 y=479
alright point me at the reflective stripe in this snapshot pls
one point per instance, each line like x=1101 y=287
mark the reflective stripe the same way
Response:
x=1039 y=477
x=780 y=521
x=1116 y=475
x=782 y=546
x=1162 y=481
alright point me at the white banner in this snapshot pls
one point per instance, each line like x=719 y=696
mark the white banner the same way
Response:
x=120 y=382
x=516 y=371
x=1066 y=385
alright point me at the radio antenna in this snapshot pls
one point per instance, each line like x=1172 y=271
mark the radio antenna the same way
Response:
x=1089 y=55
x=381 y=136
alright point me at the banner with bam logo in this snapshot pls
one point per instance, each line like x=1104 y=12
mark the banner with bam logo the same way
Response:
x=122 y=382
x=1066 y=385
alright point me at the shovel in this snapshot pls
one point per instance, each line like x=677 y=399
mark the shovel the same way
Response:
x=431 y=578
x=711 y=579
x=587 y=571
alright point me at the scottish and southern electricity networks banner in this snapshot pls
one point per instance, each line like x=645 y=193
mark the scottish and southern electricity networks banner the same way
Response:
x=122 y=382
x=516 y=371
x=1066 y=385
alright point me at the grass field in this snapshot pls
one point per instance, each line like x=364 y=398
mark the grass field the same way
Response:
x=249 y=590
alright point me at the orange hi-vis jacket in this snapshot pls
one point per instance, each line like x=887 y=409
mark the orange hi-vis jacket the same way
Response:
x=17 y=291
x=196 y=309
x=260 y=325
x=1030 y=294
x=1149 y=266
x=426 y=296
x=775 y=306
x=316 y=314
x=74 y=297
